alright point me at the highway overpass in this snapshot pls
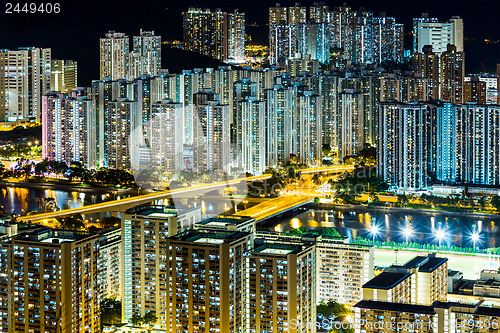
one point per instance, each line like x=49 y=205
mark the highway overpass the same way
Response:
x=124 y=204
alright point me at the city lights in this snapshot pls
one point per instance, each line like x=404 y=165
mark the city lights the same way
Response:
x=375 y=231
x=441 y=234
x=408 y=232
x=271 y=169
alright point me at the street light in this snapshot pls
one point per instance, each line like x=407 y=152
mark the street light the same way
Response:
x=441 y=234
x=374 y=231
x=474 y=236
x=408 y=232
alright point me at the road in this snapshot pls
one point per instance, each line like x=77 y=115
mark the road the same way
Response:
x=273 y=206
x=121 y=205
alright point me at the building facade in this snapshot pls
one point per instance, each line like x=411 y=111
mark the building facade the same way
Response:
x=47 y=272
x=25 y=76
x=145 y=262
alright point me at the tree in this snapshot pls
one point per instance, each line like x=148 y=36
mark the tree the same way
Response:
x=332 y=309
x=402 y=200
x=326 y=149
x=73 y=222
x=110 y=221
x=3 y=212
x=47 y=205
x=111 y=311
x=150 y=319
x=136 y=319
x=495 y=202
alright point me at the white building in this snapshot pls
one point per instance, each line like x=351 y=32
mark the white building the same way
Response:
x=236 y=37
x=24 y=78
x=68 y=128
x=147 y=49
x=430 y=31
x=109 y=264
x=114 y=55
x=167 y=137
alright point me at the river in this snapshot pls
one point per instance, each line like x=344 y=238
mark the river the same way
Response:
x=26 y=198
x=418 y=226
x=21 y=200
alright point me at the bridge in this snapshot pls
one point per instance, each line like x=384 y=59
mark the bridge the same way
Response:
x=124 y=204
x=274 y=207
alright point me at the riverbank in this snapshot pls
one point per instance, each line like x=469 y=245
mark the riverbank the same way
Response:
x=329 y=206
x=86 y=188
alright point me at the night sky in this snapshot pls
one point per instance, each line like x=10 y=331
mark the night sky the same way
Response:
x=75 y=32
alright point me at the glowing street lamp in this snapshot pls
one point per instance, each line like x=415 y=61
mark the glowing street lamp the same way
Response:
x=375 y=231
x=408 y=232
x=441 y=234
x=474 y=236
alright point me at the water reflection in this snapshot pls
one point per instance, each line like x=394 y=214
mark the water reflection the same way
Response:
x=419 y=227
x=19 y=200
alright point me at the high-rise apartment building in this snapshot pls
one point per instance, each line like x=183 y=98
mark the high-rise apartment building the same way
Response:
x=121 y=138
x=452 y=75
x=307 y=121
x=167 y=137
x=475 y=91
x=412 y=297
x=364 y=38
x=426 y=63
x=24 y=78
x=236 y=37
x=63 y=75
x=438 y=34
x=300 y=64
x=217 y=34
x=281 y=287
x=478 y=142
x=283 y=22
x=388 y=40
x=146 y=55
x=403 y=148
x=205 y=285
x=68 y=128
x=314 y=39
x=103 y=92
x=498 y=83
x=50 y=282
x=253 y=135
x=145 y=262
x=445 y=143
x=422 y=281
x=110 y=253
x=342 y=268
x=448 y=142
x=114 y=55
x=211 y=134
x=351 y=122
x=280 y=103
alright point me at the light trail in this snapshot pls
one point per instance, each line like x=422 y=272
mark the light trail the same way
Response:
x=117 y=205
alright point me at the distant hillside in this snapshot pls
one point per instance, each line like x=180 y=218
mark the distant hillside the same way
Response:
x=176 y=60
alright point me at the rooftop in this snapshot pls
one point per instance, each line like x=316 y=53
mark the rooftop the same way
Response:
x=386 y=280
x=156 y=211
x=48 y=235
x=424 y=309
x=425 y=264
x=223 y=220
x=209 y=236
x=278 y=248
x=399 y=307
